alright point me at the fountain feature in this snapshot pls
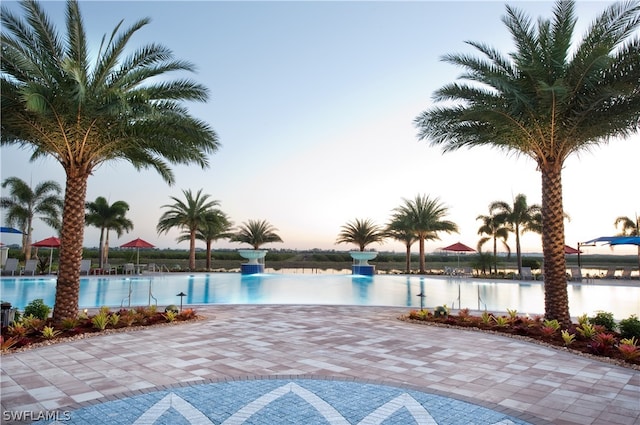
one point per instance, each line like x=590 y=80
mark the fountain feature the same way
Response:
x=362 y=267
x=254 y=265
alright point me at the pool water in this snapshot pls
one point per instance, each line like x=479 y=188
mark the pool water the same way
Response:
x=328 y=289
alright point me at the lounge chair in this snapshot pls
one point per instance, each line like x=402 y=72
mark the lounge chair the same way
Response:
x=30 y=267
x=108 y=269
x=526 y=273
x=611 y=273
x=626 y=273
x=85 y=267
x=576 y=274
x=11 y=267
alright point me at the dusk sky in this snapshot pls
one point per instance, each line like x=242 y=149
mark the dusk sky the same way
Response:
x=314 y=105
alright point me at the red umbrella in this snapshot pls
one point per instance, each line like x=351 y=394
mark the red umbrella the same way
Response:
x=458 y=247
x=137 y=244
x=570 y=250
x=51 y=243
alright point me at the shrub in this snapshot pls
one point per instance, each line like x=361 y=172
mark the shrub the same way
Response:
x=37 y=308
x=170 y=315
x=630 y=327
x=587 y=330
x=48 y=332
x=605 y=319
x=69 y=323
x=567 y=337
x=100 y=320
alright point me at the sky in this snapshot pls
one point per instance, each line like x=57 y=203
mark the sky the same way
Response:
x=314 y=104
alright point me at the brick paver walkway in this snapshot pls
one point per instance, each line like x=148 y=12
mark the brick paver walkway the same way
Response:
x=315 y=356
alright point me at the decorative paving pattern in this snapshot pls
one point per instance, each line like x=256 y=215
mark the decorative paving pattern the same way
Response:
x=275 y=401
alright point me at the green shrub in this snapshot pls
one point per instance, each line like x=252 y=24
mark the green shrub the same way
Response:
x=605 y=319
x=630 y=327
x=37 y=308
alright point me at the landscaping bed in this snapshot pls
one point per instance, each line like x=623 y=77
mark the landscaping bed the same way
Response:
x=593 y=337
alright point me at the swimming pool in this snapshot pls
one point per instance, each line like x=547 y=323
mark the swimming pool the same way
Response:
x=328 y=289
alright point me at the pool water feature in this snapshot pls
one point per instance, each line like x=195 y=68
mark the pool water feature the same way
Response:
x=327 y=289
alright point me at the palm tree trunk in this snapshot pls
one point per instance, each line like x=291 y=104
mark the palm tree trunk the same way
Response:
x=101 y=248
x=408 y=259
x=556 y=299
x=68 y=285
x=422 y=260
x=519 y=250
x=208 y=255
x=105 y=253
x=495 y=256
x=192 y=251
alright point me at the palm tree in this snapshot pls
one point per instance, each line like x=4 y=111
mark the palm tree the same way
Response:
x=216 y=225
x=83 y=113
x=629 y=227
x=547 y=100
x=519 y=218
x=188 y=216
x=400 y=229
x=361 y=232
x=494 y=228
x=425 y=217
x=256 y=233
x=24 y=203
x=107 y=217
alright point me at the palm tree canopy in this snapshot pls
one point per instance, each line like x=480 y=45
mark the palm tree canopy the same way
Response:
x=109 y=217
x=425 y=216
x=256 y=233
x=56 y=102
x=627 y=226
x=520 y=216
x=24 y=204
x=548 y=99
x=188 y=214
x=361 y=232
x=215 y=225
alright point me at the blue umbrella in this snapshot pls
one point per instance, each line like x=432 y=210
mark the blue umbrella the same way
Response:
x=626 y=240
x=9 y=230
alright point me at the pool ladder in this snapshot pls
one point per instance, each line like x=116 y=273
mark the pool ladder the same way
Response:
x=459 y=301
x=128 y=297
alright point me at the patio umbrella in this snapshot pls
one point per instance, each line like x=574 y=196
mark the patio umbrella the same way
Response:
x=9 y=230
x=50 y=243
x=458 y=247
x=137 y=244
x=570 y=250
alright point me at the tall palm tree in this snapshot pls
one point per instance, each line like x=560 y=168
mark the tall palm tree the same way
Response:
x=519 y=218
x=188 y=216
x=216 y=225
x=629 y=227
x=361 y=232
x=400 y=229
x=256 y=233
x=57 y=102
x=425 y=217
x=107 y=217
x=546 y=100
x=24 y=203
x=494 y=228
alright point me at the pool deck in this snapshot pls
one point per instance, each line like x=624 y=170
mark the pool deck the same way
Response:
x=266 y=346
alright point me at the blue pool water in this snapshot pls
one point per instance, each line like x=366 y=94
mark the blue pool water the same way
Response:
x=330 y=289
